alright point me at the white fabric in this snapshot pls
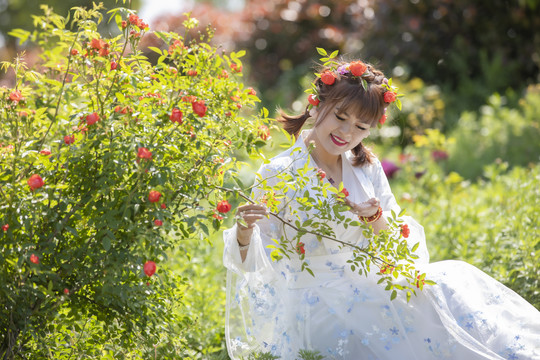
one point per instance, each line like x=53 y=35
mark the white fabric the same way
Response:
x=274 y=307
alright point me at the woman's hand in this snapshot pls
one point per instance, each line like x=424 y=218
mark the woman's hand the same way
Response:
x=367 y=209
x=250 y=214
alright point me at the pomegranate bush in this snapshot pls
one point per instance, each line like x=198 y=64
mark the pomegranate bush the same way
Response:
x=108 y=161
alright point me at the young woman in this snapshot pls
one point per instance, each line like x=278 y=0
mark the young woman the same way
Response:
x=273 y=306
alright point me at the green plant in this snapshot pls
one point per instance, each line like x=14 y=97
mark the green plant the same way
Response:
x=497 y=132
x=491 y=224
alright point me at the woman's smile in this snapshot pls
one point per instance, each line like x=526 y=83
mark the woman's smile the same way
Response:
x=338 y=141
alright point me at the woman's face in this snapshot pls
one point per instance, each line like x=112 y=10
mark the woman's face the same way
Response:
x=339 y=131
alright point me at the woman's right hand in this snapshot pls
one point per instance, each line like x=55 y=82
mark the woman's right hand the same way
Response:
x=250 y=214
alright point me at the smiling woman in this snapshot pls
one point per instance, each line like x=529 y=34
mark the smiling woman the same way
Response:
x=300 y=217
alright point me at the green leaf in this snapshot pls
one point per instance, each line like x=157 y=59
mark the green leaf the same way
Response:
x=334 y=54
x=106 y=243
x=394 y=294
x=157 y=50
x=322 y=52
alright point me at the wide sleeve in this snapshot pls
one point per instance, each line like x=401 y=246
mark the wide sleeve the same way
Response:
x=256 y=290
x=388 y=203
x=265 y=230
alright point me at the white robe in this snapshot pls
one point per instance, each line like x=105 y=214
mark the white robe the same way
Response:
x=274 y=307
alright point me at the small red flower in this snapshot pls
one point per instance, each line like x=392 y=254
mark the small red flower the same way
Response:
x=176 y=115
x=5 y=227
x=321 y=174
x=192 y=72
x=163 y=206
x=345 y=192
x=97 y=44
x=92 y=118
x=328 y=77
x=45 y=152
x=74 y=52
x=357 y=68
x=382 y=120
x=134 y=20
x=69 y=139
x=313 y=100
x=158 y=222
x=199 y=108
x=149 y=268
x=114 y=65
x=224 y=74
x=34 y=258
x=223 y=206
x=16 y=96
x=66 y=291
x=35 y=182
x=386 y=269
x=236 y=68
x=252 y=91
x=300 y=248
x=419 y=280
x=390 y=96
x=189 y=98
x=144 y=153
x=153 y=196
x=264 y=133
x=405 y=231
x=124 y=24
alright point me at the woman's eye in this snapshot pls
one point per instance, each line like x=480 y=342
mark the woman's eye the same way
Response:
x=361 y=127
x=339 y=117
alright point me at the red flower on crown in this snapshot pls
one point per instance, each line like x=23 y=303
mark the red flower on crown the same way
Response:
x=313 y=100
x=357 y=68
x=390 y=96
x=328 y=77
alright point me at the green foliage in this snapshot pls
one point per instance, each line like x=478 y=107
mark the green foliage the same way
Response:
x=492 y=224
x=100 y=174
x=497 y=133
x=454 y=45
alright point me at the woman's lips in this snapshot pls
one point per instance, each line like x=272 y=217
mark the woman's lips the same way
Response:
x=338 y=141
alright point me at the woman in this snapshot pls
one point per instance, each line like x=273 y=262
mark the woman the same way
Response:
x=274 y=306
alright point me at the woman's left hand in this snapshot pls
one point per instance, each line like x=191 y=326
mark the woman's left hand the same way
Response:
x=367 y=209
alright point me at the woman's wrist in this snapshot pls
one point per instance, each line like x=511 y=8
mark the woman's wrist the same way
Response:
x=243 y=237
x=372 y=218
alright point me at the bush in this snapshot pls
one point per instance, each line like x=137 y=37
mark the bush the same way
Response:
x=491 y=224
x=497 y=133
x=106 y=163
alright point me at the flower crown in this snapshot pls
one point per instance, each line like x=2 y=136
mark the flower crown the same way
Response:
x=353 y=69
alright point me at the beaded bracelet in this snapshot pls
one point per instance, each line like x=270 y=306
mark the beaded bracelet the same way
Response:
x=372 y=218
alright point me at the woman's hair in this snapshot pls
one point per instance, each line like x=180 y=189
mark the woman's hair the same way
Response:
x=348 y=92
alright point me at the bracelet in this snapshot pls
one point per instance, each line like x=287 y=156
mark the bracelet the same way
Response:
x=243 y=247
x=372 y=218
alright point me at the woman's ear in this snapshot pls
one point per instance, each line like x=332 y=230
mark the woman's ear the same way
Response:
x=313 y=112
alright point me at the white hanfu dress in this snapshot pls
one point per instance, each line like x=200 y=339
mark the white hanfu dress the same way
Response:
x=274 y=307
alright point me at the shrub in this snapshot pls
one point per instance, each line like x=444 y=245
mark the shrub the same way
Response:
x=497 y=132
x=124 y=159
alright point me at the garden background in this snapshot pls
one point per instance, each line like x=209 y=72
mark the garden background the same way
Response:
x=462 y=156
